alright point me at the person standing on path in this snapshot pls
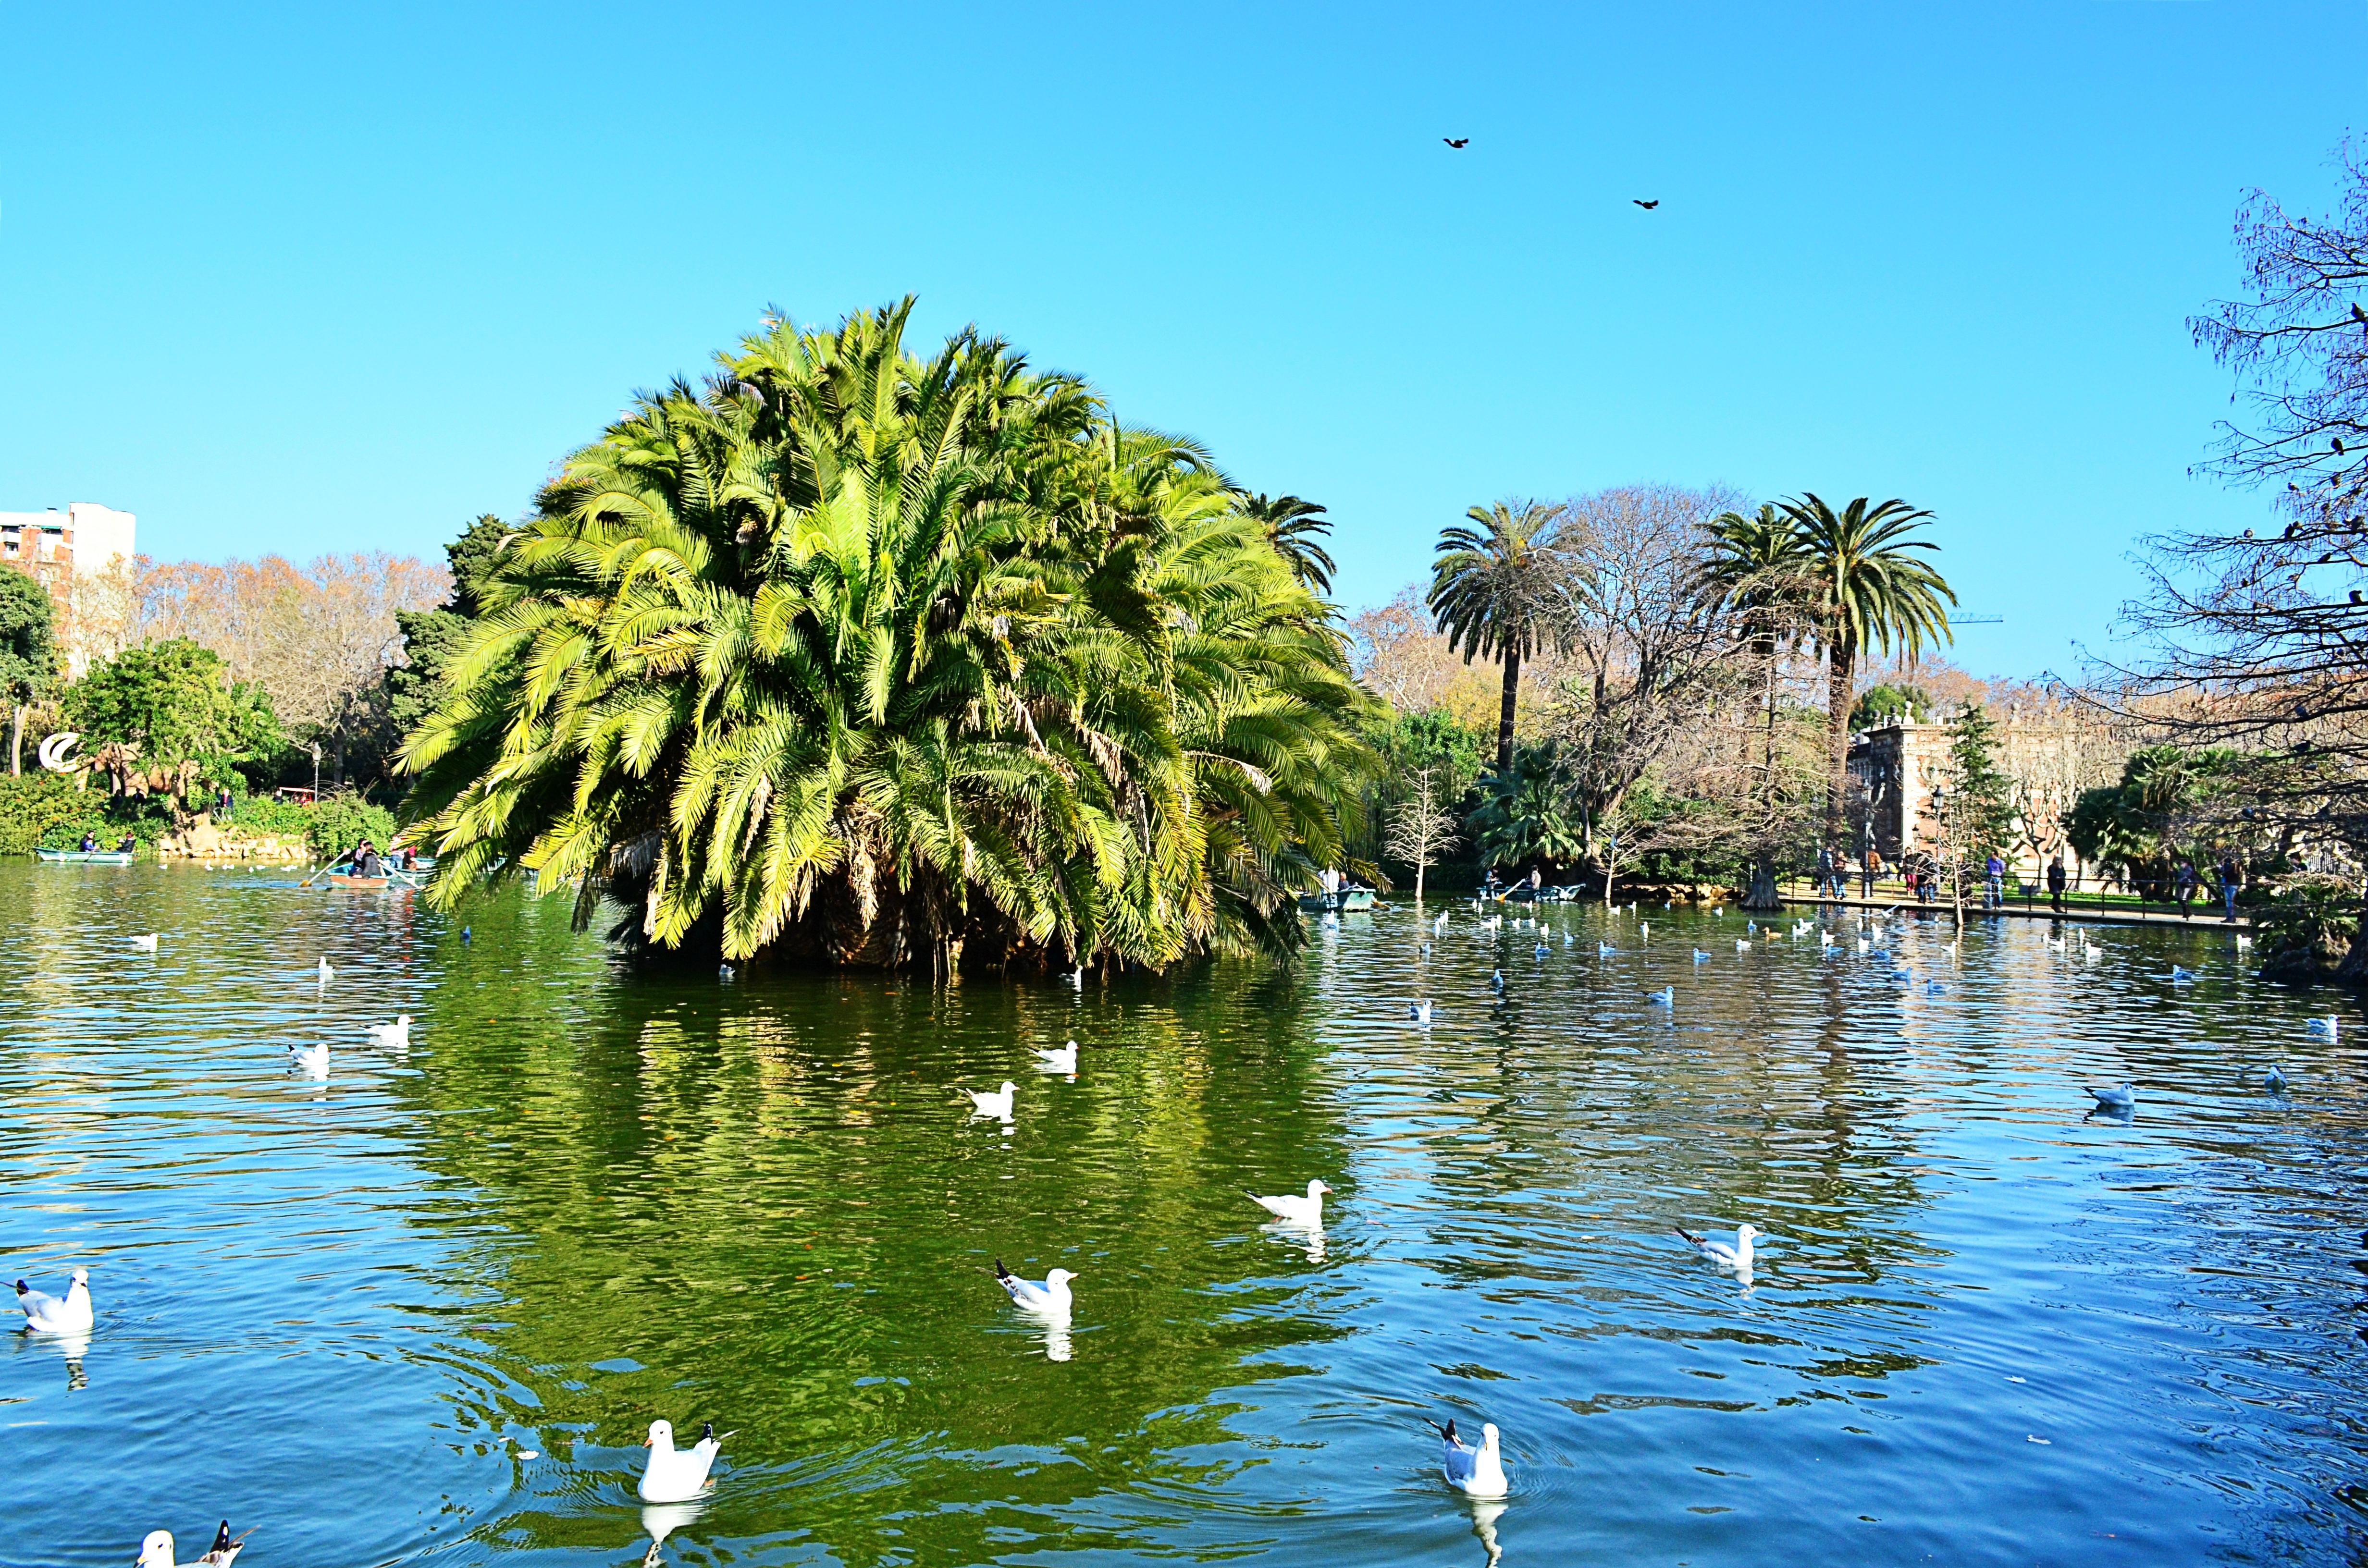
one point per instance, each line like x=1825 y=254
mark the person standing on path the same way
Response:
x=2184 y=886
x=1869 y=871
x=1993 y=873
x=2055 y=883
x=1828 y=884
x=2232 y=876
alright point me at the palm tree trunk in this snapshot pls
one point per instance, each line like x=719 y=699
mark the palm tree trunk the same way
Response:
x=1505 y=712
x=1840 y=677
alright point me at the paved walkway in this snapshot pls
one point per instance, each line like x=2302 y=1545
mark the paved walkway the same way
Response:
x=2207 y=917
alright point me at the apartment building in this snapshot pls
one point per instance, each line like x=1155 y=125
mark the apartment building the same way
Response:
x=83 y=555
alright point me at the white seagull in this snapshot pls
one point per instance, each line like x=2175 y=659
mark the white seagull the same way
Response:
x=1605 y=949
x=395 y=1036
x=992 y=1102
x=1294 y=1210
x=47 y=1314
x=156 y=1552
x=1701 y=957
x=1062 y=1060
x=1741 y=945
x=2330 y=1026
x=1476 y=1472
x=676 y=1475
x=1667 y=996
x=1420 y=1012
x=2274 y=1081
x=1737 y=1257
x=313 y=1059
x=327 y=974
x=2111 y=1098
x=146 y=944
x=1050 y=1300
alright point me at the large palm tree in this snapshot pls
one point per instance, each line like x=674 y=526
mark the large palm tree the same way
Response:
x=1868 y=590
x=867 y=658
x=1293 y=526
x=1755 y=570
x=1499 y=591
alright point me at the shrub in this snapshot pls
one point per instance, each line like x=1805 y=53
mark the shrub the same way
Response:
x=269 y=814
x=31 y=805
x=2314 y=918
x=342 y=820
x=147 y=819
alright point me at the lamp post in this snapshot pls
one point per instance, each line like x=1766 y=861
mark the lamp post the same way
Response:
x=316 y=773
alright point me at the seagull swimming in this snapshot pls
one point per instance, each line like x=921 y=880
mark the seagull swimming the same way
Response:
x=1541 y=951
x=1741 y=945
x=1062 y=1060
x=1605 y=949
x=2180 y=976
x=1476 y=1472
x=47 y=1314
x=1667 y=996
x=1737 y=1257
x=313 y=1059
x=1294 y=1210
x=677 y=1475
x=146 y=944
x=2111 y=1097
x=1496 y=980
x=1419 y=1012
x=395 y=1036
x=2274 y=1081
x=1645 y=929
x=2330 y=1026
x=992 y=1102
x=725 y=972
x=156 y=1552
x=1050 y=1300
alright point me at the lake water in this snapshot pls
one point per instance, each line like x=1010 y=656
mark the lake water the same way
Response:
x=1982 y=1329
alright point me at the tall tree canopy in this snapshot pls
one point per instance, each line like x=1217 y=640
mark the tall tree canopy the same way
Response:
x=1870 y=590
x=29 y=652
x=433 y=639
x=876 y=658
x=1500 y=591
x=162 y=716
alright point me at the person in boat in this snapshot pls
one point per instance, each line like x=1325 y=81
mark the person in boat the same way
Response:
x=410 y=858
x=130 y=845
x=366 y=861
x=89 y=846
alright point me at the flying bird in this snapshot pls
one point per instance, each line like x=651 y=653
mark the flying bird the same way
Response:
x=1466 y=141
x=1647 y=205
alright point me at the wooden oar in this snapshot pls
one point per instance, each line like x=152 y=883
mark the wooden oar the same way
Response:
x=322 y=870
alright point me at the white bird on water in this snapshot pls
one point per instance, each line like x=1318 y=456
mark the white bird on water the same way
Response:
x=992 y=1102
x=2180 y=976
x=312 y=1059
x=156 y=1552
x=1420 y=1012
x=395 y=1036
x=676 y=1475
x=48 y=1314
x=1645 y=929
x=146 y=944
x=1476 y=1472
x=1605 y=949
x=2330 y=1026
x=1062 y=1060
x=1496 y=980
x=1741 y=945
x=1701 y=957
x=2274 y=1081
x=1667 y=996
x=327 y=974
x=1737 y=1257
x=1294 y=1210
x=1050 y=1300
x=2117 y=1098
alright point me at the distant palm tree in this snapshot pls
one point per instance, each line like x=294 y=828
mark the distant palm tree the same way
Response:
x=1867 y=591
x=1294 y=525
x=1755 y=569
x=1498 y=592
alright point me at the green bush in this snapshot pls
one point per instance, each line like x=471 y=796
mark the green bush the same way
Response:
x=342 y=820
x=269 y=814
x=108 y=820
x=31 y=805
x=2316 y=915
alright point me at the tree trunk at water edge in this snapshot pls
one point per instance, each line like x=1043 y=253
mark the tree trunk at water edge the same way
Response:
x=1841 y=660
x=1505 y=711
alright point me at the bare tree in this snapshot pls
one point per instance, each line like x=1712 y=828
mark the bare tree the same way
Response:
x=1422 y=828
x=1652 y=649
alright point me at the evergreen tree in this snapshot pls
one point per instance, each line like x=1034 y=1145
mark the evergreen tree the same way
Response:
x=29 y=653
x=1981 y=796
x=433 y=639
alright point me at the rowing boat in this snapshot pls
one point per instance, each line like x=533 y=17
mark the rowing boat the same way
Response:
x=341 y=880
x=83 y=857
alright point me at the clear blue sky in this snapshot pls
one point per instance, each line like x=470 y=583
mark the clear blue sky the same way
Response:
x=299 y=281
